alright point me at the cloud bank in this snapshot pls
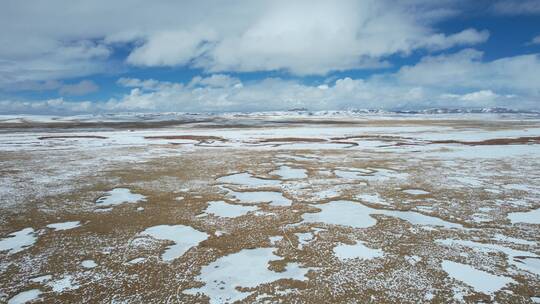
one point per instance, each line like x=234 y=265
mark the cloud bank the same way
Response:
x=60 y=46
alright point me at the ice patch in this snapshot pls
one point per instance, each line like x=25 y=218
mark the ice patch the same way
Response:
x=303 y=239
x=481 y=218
x=25 y=296
x=41 y=279
x=480 y=280
x=275 y=239
x=88 y=264
x=358 y=250
x=415 y=191
x=344 y=213
x=372 y=199
x=287 y=172
x=258 y=197
x=64 y=284
x=413 y=259
x=247 y=269
x=246 y=179
x=519 y=187
x=223 y=209
x=136 y=261
x=348 y=174
x=184 y=237
x=528 y=217
x=119 y=196
x=64 y=225
x=383 y=175
x=18 y=240
x=504 y=238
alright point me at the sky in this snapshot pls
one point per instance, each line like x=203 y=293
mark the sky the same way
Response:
x=96 y=56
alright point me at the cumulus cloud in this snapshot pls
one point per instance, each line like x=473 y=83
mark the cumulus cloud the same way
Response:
x=466 y=70
x=535 y=40
x=378 y=92
x=303 y=37
x=45 y=43
x=57 y=39
x=170 y=48
x=483 y=97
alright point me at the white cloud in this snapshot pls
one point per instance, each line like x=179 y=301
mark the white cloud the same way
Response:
x=535 y=40
x=308 y=37
x=170 y=48
x=466 y=70
x=147 y=84
x=215 y=80
x=277 y=94
x=58 y=39
x=483 y=97
x=49 y=62
x=82 y=88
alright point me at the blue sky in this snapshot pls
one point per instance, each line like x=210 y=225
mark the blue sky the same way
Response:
x=66 y=57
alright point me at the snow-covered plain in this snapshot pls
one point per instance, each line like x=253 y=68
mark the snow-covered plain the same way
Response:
x=335 y=207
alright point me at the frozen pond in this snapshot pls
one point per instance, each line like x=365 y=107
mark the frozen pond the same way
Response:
x=528 y=217
x=356 y=215
x=286 y=172
x=184 y=237
x=119 y=196
x=358 y=250
x=481 y=281
x=247 y=268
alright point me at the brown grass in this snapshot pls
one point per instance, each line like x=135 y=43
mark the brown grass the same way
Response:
x=493 y=142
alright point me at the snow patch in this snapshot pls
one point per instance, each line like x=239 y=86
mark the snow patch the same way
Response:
x=528 y=217
x=481 y=281
x=248 y=269
x=286 y=172
x=18 y=240
x=88 y=264
x=358 y=250
x=25 y=296
x=64 y=225
x=119 y=196
x=224 y=209
x=184 y=237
